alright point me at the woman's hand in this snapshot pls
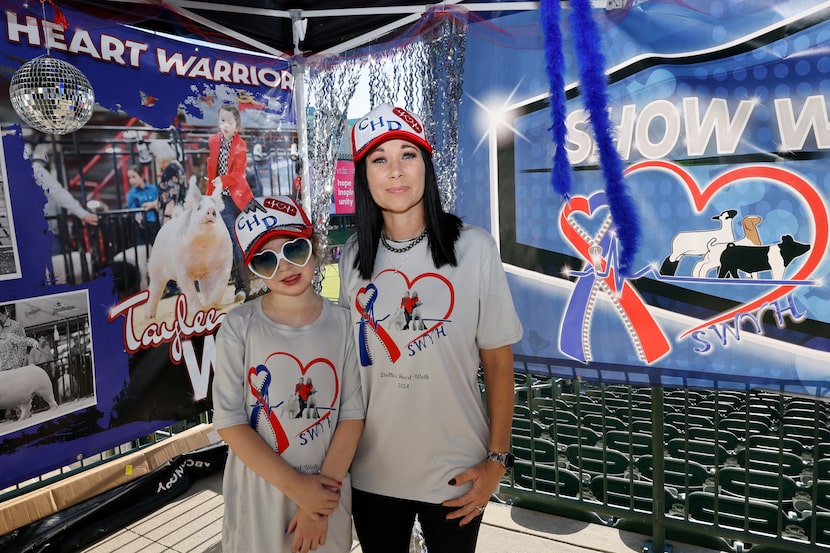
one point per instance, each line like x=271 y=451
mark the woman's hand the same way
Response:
x=485 y=477
x=309 y=531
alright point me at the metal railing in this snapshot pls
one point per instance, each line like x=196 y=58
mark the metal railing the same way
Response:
x=727 y=469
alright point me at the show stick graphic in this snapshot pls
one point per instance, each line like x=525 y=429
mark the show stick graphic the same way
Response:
x=739 y=260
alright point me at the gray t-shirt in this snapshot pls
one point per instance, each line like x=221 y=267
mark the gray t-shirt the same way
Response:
x=418 y=347
x=292 y=385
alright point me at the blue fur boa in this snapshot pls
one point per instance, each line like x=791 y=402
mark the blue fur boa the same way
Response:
x=592 y=85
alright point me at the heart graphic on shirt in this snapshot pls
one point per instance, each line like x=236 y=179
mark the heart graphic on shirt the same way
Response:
x=807 y=194
x=433 y=315
x=323 y=377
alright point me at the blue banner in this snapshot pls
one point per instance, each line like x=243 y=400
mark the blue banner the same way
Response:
x=107 y=316
x=719 y=116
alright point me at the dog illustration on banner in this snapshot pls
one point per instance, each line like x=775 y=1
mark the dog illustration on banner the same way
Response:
x=711 y=261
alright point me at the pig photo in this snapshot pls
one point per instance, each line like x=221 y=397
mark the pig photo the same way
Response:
x=192 y=247
x=19 y=386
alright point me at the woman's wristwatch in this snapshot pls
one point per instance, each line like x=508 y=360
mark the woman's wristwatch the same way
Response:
x=504 y=459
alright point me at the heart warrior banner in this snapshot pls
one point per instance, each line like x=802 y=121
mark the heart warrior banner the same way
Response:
x=106 y=318
x=719 y=116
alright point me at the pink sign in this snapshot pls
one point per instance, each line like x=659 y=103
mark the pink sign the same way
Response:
x=344 y=188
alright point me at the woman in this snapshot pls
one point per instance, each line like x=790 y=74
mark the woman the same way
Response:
x=429 y=448
x=172 y=181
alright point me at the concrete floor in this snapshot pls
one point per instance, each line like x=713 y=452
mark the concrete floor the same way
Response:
x=193 y=524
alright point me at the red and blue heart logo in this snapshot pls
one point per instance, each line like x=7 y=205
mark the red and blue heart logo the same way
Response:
x=378 y=313
x=274 y=392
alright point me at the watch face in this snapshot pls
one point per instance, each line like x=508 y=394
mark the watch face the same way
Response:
x=509 y=460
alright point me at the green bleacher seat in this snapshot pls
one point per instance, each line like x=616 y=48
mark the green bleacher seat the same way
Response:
x=629 y=493
x=547 y=478
x=757 y=484
x=539 y=450
x=775 y=443
x=593 y=460
x=685 y=476
x=771 y=461
x=603 y=424
x=524 y=427
x=737 y=513
x=570 y=434
x=708 y=454
x=556 y=414
x=633 y=444
x=724 y=437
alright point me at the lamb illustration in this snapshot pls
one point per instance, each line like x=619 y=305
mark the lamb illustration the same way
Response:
x=711 y=260
x=698 y=242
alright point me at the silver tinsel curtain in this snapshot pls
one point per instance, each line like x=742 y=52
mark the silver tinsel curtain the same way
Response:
x=422 y=71
x=330 y=88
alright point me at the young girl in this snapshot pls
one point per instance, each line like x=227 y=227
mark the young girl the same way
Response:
x=226 y=166
x=143 y=195
x=286 y=482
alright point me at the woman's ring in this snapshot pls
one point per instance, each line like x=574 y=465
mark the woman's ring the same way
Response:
x=480 y=508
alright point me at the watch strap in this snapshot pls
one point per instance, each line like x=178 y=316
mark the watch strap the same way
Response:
x=505 y=459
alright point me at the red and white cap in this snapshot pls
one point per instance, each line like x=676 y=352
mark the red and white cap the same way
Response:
x=386 y=122
x=283 y=216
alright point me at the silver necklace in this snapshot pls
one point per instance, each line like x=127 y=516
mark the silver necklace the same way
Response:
x=412 y=243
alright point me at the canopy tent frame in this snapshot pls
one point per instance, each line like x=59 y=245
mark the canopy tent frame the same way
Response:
x=411 y=13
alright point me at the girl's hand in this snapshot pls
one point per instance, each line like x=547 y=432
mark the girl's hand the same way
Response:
x=316 y=494
x=309 y=532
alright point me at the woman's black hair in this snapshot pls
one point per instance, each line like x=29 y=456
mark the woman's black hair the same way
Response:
x=443 y=229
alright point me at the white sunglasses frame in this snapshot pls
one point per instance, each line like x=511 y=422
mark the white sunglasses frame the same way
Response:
x=279 y=255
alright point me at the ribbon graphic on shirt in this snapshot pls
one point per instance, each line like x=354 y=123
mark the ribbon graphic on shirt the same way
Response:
x=365 y=303
x=599 y=251
x=263 y=407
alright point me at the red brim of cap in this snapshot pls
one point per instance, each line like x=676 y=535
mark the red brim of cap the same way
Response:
x=293 y=231
x=391 y=135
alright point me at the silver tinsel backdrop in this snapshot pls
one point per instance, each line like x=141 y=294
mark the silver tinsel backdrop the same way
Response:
x=423 y=74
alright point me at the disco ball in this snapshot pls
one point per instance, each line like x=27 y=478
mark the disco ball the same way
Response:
x=51 y=95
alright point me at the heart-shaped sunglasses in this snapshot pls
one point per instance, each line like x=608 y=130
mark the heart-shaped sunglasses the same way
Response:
x=264 y=264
